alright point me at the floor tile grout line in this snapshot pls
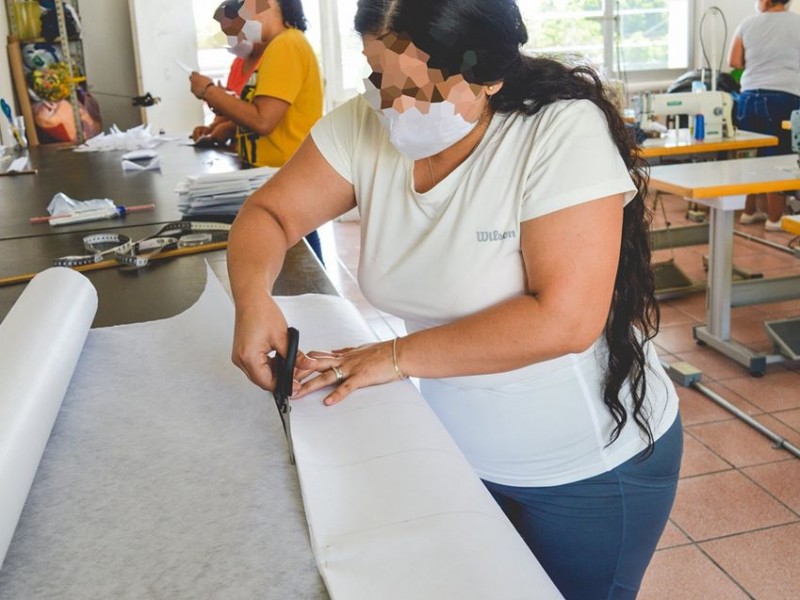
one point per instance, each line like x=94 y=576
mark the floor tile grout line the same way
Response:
x=687 y=431
x=746 y=532
x=725 y=571
x=769 y=493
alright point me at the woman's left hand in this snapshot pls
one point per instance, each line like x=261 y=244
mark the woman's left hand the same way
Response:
x=199 y=83
x=370 y=364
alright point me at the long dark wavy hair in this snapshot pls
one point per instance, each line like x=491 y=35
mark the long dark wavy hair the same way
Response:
x=481 y=40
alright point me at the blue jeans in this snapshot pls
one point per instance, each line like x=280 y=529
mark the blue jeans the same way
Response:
x=763 y=111
x=313 y=241
x=596 y=537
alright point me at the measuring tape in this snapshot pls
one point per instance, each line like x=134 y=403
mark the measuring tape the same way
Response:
x=98 y=245
x=180 y=234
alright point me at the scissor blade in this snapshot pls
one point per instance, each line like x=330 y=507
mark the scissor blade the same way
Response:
x=284 y=369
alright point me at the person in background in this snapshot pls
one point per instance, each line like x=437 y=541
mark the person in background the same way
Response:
x=767 y=47
x=526 y=290
x=221 y=131
x=282 y=98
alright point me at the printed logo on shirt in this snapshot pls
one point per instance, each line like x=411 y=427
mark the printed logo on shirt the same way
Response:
x=246 y=139
x=495 y=236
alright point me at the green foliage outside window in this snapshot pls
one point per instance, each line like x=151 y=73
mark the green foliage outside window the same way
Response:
x=576 y=27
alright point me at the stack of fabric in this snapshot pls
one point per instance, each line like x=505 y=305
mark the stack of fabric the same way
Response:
x=219 y=193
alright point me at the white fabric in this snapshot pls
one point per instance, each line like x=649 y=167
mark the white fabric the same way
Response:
x=541 y=425
x=394 y=509
x=771 y=52
x=167 y=476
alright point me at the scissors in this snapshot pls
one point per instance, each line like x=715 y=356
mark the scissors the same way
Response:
x=284 y=368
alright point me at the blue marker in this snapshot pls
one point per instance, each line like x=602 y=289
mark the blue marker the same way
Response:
x=7 y=112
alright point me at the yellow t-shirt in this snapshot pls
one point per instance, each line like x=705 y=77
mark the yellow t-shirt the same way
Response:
x=288 y=70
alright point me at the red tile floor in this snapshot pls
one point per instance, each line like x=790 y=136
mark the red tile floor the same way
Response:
x=734 y=531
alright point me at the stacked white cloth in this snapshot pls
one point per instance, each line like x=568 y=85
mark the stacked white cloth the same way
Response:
x=220 y=193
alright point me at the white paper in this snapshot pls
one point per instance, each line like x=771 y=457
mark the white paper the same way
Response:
x=116 y=139
x=141 y=160
x=41 y=340
x=18 y=164
x=220 y=193
x=184 y=66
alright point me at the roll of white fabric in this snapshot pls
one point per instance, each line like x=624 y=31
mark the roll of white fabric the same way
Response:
x=36 y=365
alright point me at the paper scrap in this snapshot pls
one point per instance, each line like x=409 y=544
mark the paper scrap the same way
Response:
x=141 y=160
x=18 y=164
x=184 y=66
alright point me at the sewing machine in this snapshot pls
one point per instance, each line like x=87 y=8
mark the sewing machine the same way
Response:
x=716 y=108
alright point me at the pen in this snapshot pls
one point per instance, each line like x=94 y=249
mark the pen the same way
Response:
x=23 y=172
x=92 y=215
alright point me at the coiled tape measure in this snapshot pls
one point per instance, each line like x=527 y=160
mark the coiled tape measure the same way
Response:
x=137 y=254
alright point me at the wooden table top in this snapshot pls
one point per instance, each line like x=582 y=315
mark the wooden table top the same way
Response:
x=92 y=175
x=163 y=288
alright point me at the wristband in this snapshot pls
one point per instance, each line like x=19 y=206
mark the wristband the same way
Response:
x=202 y=94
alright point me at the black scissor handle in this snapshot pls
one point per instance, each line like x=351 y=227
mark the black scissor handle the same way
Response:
x=285 y=366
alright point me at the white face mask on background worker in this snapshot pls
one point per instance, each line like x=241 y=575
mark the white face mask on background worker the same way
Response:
x=251 y=30
x=239 y=48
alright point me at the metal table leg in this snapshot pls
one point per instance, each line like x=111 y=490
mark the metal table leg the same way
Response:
x=717 y=331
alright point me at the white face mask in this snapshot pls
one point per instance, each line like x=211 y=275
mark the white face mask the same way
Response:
x=239 y=48
x=418 y=135
x=251 y=30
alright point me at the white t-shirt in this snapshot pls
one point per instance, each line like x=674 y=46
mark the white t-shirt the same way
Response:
x=771 y=52
x=433 y=257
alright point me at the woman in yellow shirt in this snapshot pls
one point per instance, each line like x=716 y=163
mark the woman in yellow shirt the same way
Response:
x=283 y=97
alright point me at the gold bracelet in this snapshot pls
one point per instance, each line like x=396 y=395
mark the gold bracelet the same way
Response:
x=397 y=370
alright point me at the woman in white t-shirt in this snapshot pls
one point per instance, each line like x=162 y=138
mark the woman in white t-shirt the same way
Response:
x=503 y=218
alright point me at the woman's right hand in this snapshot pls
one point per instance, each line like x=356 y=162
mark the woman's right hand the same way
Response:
x=260 y=328
x=200 y=131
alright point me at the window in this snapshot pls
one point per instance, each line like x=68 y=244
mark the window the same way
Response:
x=620 y=36
x=213 y=59
x=640 y=39
x=643 y=39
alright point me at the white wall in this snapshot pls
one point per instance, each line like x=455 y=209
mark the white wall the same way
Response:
x=735 y=12
x=108 y=53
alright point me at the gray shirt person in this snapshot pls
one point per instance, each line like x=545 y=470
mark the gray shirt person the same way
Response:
x=772 y=52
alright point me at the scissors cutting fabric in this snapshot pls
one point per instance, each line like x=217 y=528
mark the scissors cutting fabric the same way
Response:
x=283 y=389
